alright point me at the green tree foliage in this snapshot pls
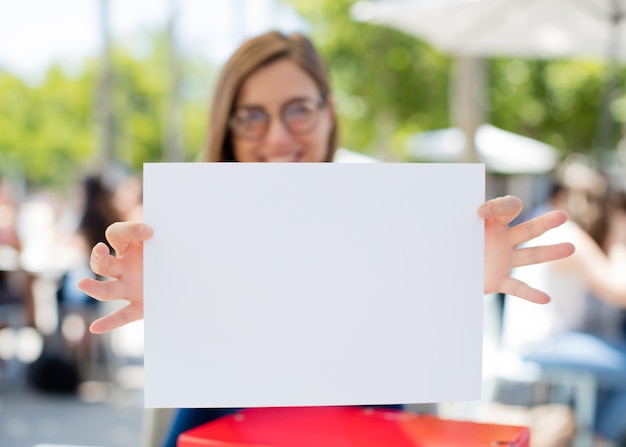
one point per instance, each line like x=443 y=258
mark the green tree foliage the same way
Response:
x=139 y=91
x=553 y=101
x=48 y=130
x=383 y=76
x=387 y=84
x=45 y=129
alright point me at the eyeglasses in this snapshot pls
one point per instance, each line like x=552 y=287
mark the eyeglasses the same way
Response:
x=300 y=116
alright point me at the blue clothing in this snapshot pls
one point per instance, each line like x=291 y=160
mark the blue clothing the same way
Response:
x=575 y=331
x=606 y=360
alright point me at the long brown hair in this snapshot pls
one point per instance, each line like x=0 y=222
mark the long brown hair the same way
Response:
x=250 y=56
x=587 y=190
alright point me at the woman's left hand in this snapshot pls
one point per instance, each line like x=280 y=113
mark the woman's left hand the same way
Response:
x=501 y=241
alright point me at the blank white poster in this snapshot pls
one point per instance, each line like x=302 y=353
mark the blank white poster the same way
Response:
x=271 y=284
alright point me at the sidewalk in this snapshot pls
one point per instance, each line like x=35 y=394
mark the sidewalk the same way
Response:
x=113 y=419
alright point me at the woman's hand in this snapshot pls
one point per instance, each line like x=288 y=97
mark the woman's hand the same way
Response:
x=124 y=272
x=501 y=254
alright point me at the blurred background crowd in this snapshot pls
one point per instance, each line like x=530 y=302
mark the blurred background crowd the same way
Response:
x=547 y=119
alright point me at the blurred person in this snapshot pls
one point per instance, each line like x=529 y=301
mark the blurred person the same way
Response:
x=273 y=103
x=97 y=213
x=8 y=218
x=603 y=318
x=580 y=327
x=15 y=283
x=10 y=245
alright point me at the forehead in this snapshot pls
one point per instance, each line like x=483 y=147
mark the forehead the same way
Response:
x=276 y=83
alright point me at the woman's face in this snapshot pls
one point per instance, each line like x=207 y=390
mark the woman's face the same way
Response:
x=280 y=116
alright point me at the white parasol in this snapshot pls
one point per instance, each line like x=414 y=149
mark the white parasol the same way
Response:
x=544 y=29
x=502 y=152
x=523 y=28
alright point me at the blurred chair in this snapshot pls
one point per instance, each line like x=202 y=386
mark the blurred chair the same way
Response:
x=505 y=371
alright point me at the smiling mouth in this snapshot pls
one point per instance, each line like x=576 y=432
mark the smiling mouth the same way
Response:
x=286 y=158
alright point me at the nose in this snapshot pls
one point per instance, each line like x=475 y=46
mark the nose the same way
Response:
x=277 y=135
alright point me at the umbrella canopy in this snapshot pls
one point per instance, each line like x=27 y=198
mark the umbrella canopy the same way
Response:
x=502 y=152
x=521 y=28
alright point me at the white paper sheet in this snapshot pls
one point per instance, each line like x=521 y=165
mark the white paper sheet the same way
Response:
x=312 y=284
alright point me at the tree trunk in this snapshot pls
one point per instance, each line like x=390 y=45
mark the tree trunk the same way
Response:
x=105 y=158
x=468 y=83
x=172 y=127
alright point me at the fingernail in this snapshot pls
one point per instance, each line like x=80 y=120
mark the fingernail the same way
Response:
x=97 y=254
x=145 y=231
x=482 y=210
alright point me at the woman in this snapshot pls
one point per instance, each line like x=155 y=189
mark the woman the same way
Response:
x=580 y=329
x=273 y=103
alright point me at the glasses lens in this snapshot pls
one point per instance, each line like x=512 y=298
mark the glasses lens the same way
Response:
x=300 y=115
x=249 y=122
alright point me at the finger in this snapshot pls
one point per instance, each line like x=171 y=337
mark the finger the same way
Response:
x=504 y=209
x=102 y=263
x=536 y=227
x=117 y=319
x=538 y=255
x=102 y=290
x=121 y=234
x=515 y=287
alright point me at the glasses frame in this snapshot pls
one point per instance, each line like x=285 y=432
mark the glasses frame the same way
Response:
x=318 y=103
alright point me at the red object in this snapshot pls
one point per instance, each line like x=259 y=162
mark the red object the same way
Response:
x=348 y=427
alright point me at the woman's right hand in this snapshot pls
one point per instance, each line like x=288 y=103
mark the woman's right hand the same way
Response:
x=123 y=273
